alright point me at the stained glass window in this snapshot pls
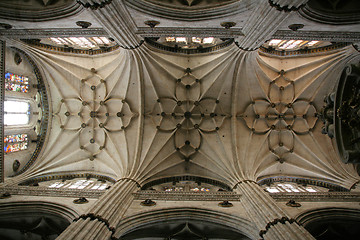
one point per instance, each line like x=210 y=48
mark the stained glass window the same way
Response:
x=196 y=189
x=16 y=83
x=15 y=143
x=16 y=112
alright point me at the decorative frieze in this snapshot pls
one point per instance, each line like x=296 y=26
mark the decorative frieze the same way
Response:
x=187 y=196
x=318 y=197
x=332 y=36
x=53 y=32
x=51 y=192
x=189 y=32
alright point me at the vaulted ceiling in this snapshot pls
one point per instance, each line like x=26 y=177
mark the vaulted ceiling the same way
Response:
x=228 y=115
x=143 y=113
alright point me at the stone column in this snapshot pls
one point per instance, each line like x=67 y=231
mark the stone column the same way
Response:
x=265 y=20
x=273 y=223
x=104 y=216
x=115 y=19
x=2 y=92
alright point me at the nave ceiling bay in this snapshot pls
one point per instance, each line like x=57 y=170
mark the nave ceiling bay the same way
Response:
x=229 y=115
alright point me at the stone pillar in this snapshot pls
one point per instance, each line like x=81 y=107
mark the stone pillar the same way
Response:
x=115 y=19
x=104 y=216
x=273 y=223
x=2 y=92
x=265 y=20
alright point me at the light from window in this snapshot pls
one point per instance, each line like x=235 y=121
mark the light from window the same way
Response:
x=272 y=189
x=181 y=39
x=16 y=113
x=80 y=184
x=208 y=40
x=81 y=42
x=286 y=187
x=292 y=44
x=15 y=143
x=196 y=39
x=310 y=189
x=170 y=39
x=174 y=189
x=16 y=83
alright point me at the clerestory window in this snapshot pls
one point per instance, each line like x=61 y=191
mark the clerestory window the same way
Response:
x=16 y=112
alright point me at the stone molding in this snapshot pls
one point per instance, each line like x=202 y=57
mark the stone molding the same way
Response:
x=318 y=197
x=187 y=196
x=2 y=98
x=51 y=192
x=317 y=35
x=189 y=32
x=45 y=112
x=57 y=32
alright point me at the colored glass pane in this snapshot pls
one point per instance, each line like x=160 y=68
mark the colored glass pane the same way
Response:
x=15 y=143
x=16 y=83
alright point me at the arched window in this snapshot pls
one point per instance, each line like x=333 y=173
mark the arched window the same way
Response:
x=291 y=187
x=16 y=112
x=93 y=184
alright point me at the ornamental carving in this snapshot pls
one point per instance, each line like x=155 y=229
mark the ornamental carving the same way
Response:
x=281 y=115
x=94 y=114
x=188 y=115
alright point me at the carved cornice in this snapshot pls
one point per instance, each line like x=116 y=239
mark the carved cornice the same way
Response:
x=51 y=192
x=187 y=196
x=53 y=32
x=318 y=197
x=317 y=35
x=189 y=32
